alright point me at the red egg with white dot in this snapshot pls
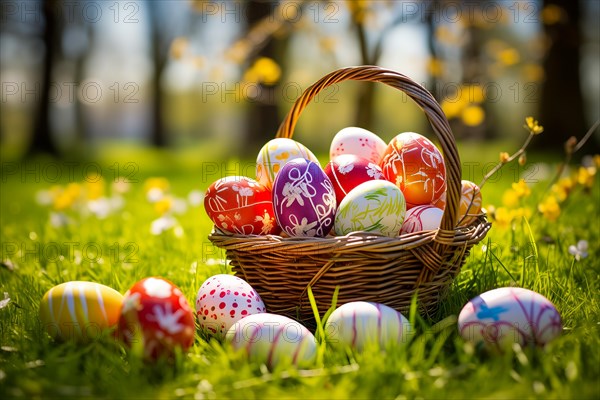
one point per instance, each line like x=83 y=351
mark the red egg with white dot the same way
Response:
x=416 y=166
x=241 y=205
x=347 y=171
x=156 y=314
x=223 y=300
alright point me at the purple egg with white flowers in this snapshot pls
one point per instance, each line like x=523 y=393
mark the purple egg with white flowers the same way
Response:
x=500 y=317
x=304 y=199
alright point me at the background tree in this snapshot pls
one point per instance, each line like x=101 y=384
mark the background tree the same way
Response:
x=42 y=141
x=561 y=105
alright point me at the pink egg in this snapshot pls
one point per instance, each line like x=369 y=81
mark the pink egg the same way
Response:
x=500 y=317
x=422 y=218
x=347 y=171
x=223 y=300
x=359 y=142
x=304 y=199
x=241 y=205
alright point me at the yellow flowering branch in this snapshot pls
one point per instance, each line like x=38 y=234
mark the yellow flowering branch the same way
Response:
x=571 y=147
x=534 y=129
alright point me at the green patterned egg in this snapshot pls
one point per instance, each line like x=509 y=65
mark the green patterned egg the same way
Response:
x=373 y=206
x=80 y=310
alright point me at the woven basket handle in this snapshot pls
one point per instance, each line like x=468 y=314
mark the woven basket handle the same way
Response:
x=424 y=100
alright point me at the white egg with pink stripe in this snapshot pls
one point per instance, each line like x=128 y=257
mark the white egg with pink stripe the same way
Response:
x=273 y=339
x=500 y=317
x=360 y=325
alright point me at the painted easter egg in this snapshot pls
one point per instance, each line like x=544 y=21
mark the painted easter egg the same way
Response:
x=304 y=199
x=373 y=206
x=441 y=202
x=359 y=142
x=422 y=218
x=470 y=203
x=240 y=205
x=416 y=166
x=80 y=310
x=156 y=318
x=361 y=324
x=275 y=154
x=347 y=171
x=273 y=340
x=503 y=316
x=223 y=300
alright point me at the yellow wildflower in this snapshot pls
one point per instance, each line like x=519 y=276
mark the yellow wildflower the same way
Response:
x=551 y=14
x=521 y=212
x=328 y=44
x=358 y=9
x=550 y=208
x=509 y=56
x=523 y=159
x=532 y=72
x=264 y=70
x=62 y=201
x=435 y=67
x=156 y=183
x=473 y=115
x=178 y=48
x=597 y=160
x=94 y=189
x=560 y=192
x=163 y=205
x=504 y=156
x=533 y=126
x=474 y=93
x=521 y=188
x=74 y=190
x=585 y=176
x=562 y=188
x=502 y=217
x=510 y=198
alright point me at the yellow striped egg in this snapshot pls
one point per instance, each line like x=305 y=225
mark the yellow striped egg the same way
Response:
x=470 y=203
x=275 y=154
x=80 y=310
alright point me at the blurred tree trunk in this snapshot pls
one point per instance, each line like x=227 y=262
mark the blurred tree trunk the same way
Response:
x=366 y=91
x=159 y=58
x=433 y=53
x=561 y=107
x=262 y=117
x=42 y=140
x=474 y=73
x=81 y=131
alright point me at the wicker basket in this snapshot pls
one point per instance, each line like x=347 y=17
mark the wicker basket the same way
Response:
x=366 y=266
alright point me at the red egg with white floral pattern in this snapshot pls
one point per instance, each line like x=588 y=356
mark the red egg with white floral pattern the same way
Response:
x=223 y=300
x=416 y=166
x=157 y=318
x=347 y=171
x=241 y=205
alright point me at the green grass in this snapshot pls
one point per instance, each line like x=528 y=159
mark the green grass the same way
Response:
x=436 y=363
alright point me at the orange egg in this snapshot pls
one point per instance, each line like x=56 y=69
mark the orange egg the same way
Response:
x=416 y=166
x=470 y=203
